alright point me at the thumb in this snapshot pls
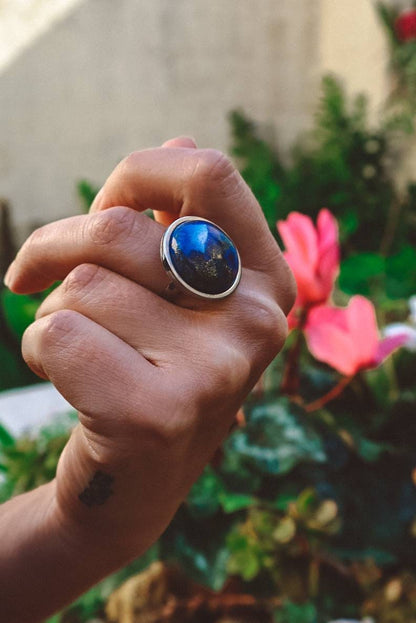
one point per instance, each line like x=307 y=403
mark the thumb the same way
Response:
x=181 y=141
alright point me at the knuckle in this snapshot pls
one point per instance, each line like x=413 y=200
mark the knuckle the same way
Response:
x=270 y=319
x=283 y=282
x=43 y=341
x=288 y=288
x=111 y=226
x=269 y=327
x=130 y=162
x=57 y=328
x=36 y=239
x=277 y=332
x=82 y=278
x=211 y=167
x=225 y=371
x=292 y=291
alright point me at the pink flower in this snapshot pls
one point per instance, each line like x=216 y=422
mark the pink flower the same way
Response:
x=405 y=25
x=347 y=338
x=313 y=255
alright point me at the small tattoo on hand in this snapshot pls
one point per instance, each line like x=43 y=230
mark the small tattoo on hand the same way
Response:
x=98 y=490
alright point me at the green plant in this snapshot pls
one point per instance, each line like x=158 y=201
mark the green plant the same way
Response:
x=86 y=193
x=343 y=164
x=401 y=104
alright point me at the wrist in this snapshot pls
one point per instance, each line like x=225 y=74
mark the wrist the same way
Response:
x=109 y=508
x=43 y=567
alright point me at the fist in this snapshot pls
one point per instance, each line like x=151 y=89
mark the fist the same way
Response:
x=156 y=382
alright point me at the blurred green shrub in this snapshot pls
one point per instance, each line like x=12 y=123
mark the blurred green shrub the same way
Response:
x=86 y=193
x=346 y=166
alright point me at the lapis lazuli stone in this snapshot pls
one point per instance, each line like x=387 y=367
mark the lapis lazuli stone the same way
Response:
x=204 y=256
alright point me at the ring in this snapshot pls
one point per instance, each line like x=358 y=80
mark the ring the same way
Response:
x=200 y=258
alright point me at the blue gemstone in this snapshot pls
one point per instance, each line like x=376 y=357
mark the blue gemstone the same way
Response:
x=204 y=256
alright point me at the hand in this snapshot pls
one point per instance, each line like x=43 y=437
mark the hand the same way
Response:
x=157 y=383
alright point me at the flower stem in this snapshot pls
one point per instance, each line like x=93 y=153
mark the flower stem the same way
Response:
x=290 y=383
x=333 y=393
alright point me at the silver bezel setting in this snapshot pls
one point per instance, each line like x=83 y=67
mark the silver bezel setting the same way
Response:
x=171 y=271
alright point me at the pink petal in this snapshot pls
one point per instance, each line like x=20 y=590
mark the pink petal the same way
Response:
x=387 y=345
x=293 y=316
x=329 y=341
x=325 y=314
x=327 y=227
x=399 y=328
x=362 y=325
x=301 y=242
x=300 y=238
x=328 y=249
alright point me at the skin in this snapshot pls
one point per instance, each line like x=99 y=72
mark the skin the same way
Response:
x=157 y=383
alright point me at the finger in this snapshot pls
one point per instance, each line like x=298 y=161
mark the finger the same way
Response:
x=161 y=332
x=119 y=239
x=181 y=141
x=194 y=182
x=167 y=218
x=95 y=371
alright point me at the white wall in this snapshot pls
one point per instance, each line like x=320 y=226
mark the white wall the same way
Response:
x=22 y=21
x=353 y=45
x=117 y=76
x=114 y=76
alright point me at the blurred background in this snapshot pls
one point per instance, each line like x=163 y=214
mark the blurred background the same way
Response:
x=83 y=83
x=308 y=512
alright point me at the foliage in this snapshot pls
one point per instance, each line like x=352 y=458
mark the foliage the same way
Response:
x=401 y=105
x=259 y=165
x=29 y=462
x=16 y=313
x=344 y=165
x=87 y=193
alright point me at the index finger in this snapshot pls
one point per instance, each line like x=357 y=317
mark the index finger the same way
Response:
x=194 y=182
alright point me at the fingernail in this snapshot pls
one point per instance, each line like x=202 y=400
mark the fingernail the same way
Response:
x=8 y=277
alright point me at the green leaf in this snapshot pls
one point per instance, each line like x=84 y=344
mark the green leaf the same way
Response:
x=362 y=273
x=233 y=502
x=202 y=554
x=87 y=193
x=277 y=437
x=283 y=500
x=246 y=557
x=14 y=372
x=369 y=450
x=6 y=439
x=19 y=311
x=204 y=497
x=401 y=273
x=306 y=501
x=294 y=613
x=348 y=224
x=259 y=165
